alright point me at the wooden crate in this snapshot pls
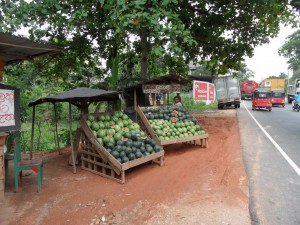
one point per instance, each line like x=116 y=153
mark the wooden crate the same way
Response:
x=201 y=140
x=96 y=159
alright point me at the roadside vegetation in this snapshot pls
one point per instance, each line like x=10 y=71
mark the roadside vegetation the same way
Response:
x=114 y=44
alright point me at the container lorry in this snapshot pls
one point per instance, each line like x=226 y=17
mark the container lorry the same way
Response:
x=228 y=91
x=247 y=88
x=292 y=90
x=273 y=84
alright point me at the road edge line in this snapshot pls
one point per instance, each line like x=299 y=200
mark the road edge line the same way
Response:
x=282 y=152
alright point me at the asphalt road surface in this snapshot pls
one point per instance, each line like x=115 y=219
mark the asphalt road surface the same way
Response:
x=271 y=152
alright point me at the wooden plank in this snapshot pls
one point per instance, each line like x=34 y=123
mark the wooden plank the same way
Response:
x=96 y=163
x=147 y=124
x=185 y=139
x=104 y=175
x=142 y=160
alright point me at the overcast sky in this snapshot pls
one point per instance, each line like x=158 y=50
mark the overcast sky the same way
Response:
x=266 y=61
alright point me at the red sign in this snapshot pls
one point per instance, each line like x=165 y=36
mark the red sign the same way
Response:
x=211 y=92
x=203 y=91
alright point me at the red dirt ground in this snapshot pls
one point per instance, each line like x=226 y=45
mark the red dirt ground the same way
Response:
x=203 y=186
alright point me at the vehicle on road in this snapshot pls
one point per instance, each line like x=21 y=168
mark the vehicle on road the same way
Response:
x=278 y=97
x=273 y=84
x=262 y=99
x=247 y=88
x=228 y=91
x=296 y=107
x=292 y=90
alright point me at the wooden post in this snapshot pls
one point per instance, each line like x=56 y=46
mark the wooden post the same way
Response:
x=59 y=152
x=72 y=147
x=2 y=165
x=1 y=68
x=135 y=105
x=32 y=131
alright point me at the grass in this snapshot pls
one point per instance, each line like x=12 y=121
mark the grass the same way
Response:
x=189 y=103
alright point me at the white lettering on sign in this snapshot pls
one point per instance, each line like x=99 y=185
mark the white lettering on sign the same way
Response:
x=7 y=109
x=157 y=89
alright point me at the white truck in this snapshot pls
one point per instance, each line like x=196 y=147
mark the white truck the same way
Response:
x=228 y=91
x=292 y=90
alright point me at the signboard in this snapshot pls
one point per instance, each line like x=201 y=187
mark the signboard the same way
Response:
x=203 y=91
x=160 y=88
x=9 y=108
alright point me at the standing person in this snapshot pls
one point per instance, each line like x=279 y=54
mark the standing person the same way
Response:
x=178 y=96
x=177 y=101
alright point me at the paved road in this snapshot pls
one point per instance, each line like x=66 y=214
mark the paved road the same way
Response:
x=271 y=151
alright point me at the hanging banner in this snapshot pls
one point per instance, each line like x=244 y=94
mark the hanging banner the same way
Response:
x=160 y=88
x=203 y=91
x=9 y=108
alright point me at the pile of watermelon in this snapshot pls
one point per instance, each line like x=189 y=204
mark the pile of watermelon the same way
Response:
x=172 y=122
x=121 y=137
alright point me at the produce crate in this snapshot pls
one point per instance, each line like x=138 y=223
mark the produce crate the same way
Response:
x=199 y=139
x=97 y=159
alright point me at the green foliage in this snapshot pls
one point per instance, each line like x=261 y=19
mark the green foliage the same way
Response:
x=218 y=33
x=244 y=74
x=291 y=50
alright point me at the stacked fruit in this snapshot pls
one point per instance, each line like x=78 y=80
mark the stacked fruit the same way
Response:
x=121 y=137
x=172 y=122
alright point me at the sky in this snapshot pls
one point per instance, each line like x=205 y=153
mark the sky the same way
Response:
x=266 y=60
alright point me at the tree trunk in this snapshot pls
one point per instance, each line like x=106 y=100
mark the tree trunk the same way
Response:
x=145 y=49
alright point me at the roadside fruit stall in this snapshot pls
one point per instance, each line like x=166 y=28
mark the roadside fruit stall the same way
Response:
x=165 y=123
x=172 y=124
x=111 y=143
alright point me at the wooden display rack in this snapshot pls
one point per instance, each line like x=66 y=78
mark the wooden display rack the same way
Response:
x=203 y=139
x=96 y=159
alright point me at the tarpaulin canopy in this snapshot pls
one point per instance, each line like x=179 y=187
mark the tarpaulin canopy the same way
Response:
x=80 y=97
x=14 y=48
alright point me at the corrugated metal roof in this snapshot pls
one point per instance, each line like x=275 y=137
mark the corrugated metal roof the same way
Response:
x=14 y=48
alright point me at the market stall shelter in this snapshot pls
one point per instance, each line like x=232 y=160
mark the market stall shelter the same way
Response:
x=17 y=49
x=80 y=97
x=135 y=94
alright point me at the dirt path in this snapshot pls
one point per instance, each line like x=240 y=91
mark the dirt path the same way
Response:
x=195 y=186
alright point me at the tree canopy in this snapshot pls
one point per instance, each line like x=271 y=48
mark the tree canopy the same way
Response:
x=291 y=50
x=146 y=37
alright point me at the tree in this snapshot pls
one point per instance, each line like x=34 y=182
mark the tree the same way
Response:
x=244 y=73
x=291 y=50
x=219 y=33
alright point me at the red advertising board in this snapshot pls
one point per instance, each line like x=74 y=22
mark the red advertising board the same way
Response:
x=211 y=92
x=203 y=91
